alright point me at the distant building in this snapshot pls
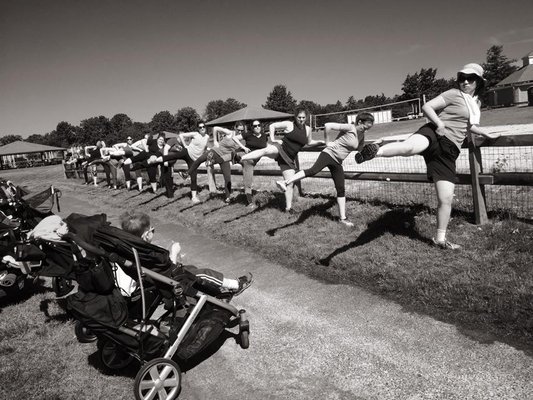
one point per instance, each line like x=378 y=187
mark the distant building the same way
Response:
x=514 y=89
x=22 y=154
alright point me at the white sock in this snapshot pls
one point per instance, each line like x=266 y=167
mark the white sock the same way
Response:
x=230 y=283
x=441 y=235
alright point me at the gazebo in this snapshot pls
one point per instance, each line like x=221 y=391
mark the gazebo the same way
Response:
x=249 y=114
x=24 y=154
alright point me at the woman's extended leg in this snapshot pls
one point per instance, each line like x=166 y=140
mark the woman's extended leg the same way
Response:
x=269 y=151
x=415 y=144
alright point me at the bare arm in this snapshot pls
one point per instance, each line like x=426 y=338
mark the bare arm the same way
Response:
x=236 y=139
x=430 y=111
x=287 y=126
x=310 y=140
x=479 y=131
x=87 y=149
x=186 y=135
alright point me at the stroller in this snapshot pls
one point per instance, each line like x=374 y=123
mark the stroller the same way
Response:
x=165 y=322
x=20 y=212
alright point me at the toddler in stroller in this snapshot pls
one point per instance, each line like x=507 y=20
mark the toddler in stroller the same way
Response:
x=129 y=329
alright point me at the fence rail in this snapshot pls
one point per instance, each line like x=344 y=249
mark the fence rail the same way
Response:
x=471 y=171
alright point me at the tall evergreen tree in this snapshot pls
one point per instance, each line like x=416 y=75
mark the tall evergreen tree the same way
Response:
x=280 y=99
x=498 y=66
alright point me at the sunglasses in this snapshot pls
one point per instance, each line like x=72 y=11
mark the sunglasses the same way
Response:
x=201 y=127
x=129 y=139
x=256 y=126
x=467 y=77
x=240 y=130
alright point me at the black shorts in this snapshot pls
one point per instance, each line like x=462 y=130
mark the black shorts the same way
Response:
x=440 y=156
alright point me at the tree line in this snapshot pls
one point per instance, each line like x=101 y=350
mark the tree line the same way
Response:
x=120 y=126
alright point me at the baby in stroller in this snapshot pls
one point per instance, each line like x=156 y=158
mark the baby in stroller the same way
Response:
x=130 y=329
x=138 y=224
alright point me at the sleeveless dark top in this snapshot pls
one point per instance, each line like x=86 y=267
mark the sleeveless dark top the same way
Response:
x=94 y=154
x=294 y=141
x=253 y=142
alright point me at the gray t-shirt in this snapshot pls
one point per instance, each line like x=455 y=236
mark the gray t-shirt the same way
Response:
x=342 y=146
x=455 y=116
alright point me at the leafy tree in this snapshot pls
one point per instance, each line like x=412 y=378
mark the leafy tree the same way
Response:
x=280 y=99
x=333 y=108
x=424 y=82
x=187 y=119
x=9 y=139
x=136 y=130
x=162 y=121
x=94 y=129
x=120 y=122
x=311 y=106
x=352 y=104
x=218 y=108
x=498 y=66
x=35 y=138
x=65 y=134
x=376 y=100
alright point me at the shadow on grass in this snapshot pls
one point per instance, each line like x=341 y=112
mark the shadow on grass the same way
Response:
x=15 y=296
x=319 y=209
x=398 y=222
x=274 y=202
x=169 y=203
x=157 y=196
x=44 y=307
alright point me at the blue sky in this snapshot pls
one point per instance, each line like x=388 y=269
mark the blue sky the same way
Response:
x=67 y=60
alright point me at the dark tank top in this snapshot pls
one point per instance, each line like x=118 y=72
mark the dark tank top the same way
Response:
x=294 y=141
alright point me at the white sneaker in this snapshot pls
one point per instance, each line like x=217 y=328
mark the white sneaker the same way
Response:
x=195 y=200
x=347 y=223
x=281 y=185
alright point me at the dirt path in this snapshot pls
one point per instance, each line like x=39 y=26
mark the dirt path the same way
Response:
x=311 y=340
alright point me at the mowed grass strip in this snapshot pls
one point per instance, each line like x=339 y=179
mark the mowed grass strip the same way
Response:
x=486 y=289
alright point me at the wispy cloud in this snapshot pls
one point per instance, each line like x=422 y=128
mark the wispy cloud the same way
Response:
x=413 y=48
x=513 y=36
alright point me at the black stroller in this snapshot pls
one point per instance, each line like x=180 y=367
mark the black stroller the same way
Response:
x=20 y=212
x=165 y=322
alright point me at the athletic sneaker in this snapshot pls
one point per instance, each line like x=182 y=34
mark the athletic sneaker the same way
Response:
x=251 y=206
x=368 y=152
x=445 y=244
x=195 y=200
x=347 y=223
x=183 y=174
x=281 y=185
x=227 y=200
x=244 y=283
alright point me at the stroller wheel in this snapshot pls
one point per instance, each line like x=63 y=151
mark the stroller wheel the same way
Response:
x=245 y=340
x=113 y=356
x=158 y=379
x=83 y=334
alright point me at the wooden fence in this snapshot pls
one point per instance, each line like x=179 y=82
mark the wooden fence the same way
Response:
x=478 y=178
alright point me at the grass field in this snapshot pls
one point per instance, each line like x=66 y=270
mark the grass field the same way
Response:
x=486 y=290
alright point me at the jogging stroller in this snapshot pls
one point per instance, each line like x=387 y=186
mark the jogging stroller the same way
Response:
x=166 y=321
x=20 y=212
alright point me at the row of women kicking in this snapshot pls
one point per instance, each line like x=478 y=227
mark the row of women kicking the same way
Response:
x=191 y=147
x=451 y=116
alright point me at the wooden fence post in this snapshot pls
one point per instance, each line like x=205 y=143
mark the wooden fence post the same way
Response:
x=299 y=183
x=478 y=190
